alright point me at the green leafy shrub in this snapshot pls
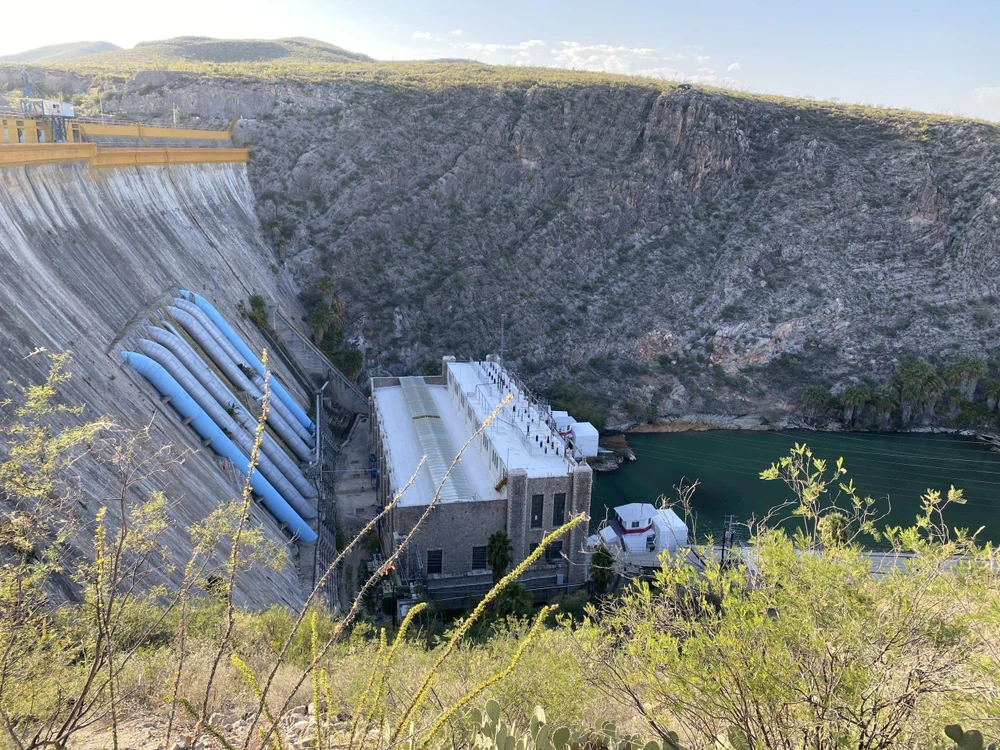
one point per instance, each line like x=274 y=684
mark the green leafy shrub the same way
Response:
x=580 y=404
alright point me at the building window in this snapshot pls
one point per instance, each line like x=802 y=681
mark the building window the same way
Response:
x=559 y=509
x=479 y=558
x=533 y=547
x=553 y=553
x=635 y=524
x=6 y=135
x=537 y=506
x=433 y=561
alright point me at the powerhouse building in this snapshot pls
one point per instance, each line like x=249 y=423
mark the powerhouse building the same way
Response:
x=525 y=473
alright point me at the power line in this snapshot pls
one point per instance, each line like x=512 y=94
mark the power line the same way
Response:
x=823 y=439
x=748 y=465
x=741 y=466
x=853 y=459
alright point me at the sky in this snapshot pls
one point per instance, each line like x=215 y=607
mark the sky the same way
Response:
x=941 y=57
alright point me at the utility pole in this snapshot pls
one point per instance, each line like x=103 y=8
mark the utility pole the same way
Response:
x=727 y=534
x=503 y=317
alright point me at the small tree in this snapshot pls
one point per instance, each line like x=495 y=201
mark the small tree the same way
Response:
x=992 y=391
x=965 y=375
x=883 y=401
x=854 y=399
x=319 y=319
x=815 y=401
x=601 y=570
x=819 y=493
x=919 y=389
x=326 y=286
x=258 y=310
x=499 y=554
x=516 y=600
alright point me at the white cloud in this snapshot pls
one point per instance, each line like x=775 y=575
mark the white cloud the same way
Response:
x=605 y=57
x=667 y=73
x=437 y=39
x=987 y=93
x=610 y=58
x=457 y=32
x=489 y=49
x=724 y=82
x=733 y=67
x=421 y=35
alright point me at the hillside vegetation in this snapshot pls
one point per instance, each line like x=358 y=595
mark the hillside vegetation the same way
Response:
x=57 y=52
x=793 y=645
x=194 y=51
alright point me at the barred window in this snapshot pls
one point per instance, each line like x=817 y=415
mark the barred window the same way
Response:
x=537 y=508
x=559 y=509
x=434 y=561
x=553 y=553
x=479 y=558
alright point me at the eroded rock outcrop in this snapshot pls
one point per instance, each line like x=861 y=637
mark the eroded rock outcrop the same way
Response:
x=623 y=229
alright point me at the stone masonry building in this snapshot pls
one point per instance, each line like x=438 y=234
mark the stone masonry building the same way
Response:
x=524 y=473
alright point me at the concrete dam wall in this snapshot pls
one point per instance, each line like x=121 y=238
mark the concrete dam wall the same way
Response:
x=87 y=259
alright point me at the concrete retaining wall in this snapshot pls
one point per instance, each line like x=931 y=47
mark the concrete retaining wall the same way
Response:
x=84 y=256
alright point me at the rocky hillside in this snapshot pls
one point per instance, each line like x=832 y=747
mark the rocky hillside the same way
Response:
x=666 y=251
x=56 y=52
x=202 y=49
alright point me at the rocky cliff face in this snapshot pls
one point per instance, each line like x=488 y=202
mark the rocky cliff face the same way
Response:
x=668 y=251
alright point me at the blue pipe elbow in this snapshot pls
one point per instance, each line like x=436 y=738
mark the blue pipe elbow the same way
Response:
x=208 y=430
x=236 y=340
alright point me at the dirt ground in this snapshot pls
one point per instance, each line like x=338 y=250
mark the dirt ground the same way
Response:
x=148 y=730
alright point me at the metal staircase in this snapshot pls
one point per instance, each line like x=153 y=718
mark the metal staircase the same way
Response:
x=314 y=366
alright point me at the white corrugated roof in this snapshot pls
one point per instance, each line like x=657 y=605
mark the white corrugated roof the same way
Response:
x=434 y=441
x=404 y=449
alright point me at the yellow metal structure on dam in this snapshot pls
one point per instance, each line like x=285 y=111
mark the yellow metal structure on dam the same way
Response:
x=26 y=141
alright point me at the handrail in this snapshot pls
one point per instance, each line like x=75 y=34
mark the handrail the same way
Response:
x=316 y=350
x=109 y=121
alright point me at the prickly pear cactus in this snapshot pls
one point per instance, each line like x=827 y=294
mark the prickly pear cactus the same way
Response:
x=971 y=740
x=489 y=732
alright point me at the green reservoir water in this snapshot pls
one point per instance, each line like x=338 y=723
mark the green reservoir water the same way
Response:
x=893 y=468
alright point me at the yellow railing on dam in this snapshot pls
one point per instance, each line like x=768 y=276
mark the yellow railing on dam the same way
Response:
x=17 y=128
x=27 y=154
x=151 y=157
x=138 y=130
